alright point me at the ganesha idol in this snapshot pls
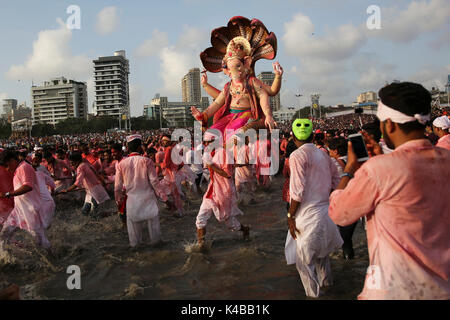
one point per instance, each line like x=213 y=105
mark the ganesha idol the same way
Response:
x=244 y=101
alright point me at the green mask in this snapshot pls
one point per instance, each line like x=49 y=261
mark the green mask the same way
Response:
x=302 y=129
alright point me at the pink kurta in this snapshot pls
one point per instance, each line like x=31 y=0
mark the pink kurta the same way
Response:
x=6 y=185
x=87 y=179
x=137 y=175
x=221 y=194
x=26 y=213
x=444 y=142
x=47 y=203
x=159 y=157
x=61 y=173
x=263 y=162
x=404 y=195
x=243 y=174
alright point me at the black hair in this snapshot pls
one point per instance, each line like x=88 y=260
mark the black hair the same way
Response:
x=117 y=147
x=38 y=155
x=151 y=150
x=6 y=156
x=338 y=144
x=408 y=98
x=47 y=154
x=134 y=145
x=373 y=128
x=76 y=156
x=291 y=147
x=318 y=138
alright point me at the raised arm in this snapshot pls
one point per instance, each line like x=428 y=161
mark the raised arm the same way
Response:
x=276 y=85
x=209 y=112
x=210 y=90
x=265 y=104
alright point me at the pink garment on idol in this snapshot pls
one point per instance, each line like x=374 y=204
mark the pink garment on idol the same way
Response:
x=87 y=179
x=444 y=142
x=47 y=203
x=221 y=194
x=6 y=185
x=136 y=177
x=26 y=214
x=229 y=124
x=404 y=195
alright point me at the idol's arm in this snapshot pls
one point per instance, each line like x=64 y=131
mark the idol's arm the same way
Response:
x=210 y=90
x=265 y=105
x=209 y=112
x=276 y=85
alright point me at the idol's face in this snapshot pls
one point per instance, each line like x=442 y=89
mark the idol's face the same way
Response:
x=236 y=68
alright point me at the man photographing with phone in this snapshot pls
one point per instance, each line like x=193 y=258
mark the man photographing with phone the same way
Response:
x=404 y=196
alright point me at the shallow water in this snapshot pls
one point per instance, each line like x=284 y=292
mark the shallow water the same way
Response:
x=230 y=268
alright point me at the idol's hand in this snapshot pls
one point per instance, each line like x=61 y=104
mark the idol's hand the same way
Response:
x=277 y=69
x=196 y=114
x=270 y=123
x=204 y=79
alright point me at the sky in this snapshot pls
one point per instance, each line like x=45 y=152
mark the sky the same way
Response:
x=324 y=46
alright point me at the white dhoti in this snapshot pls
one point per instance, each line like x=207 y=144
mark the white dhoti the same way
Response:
x=135 y=230
x=318 y=237
x=208 y=208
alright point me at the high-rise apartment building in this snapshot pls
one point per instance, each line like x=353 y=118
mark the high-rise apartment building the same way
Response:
x=190 y=85
x=59 y=99
x=8 y=106
x=111 y=85
x=268 y=78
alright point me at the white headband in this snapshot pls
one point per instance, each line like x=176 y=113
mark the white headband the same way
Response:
x=384 y=113
x=442 y=122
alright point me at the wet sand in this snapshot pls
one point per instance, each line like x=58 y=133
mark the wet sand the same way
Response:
x=231 y=269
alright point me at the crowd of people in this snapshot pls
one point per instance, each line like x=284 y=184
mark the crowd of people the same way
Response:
x=399 y=194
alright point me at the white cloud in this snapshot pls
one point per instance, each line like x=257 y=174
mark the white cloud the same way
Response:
x=153 y=45
x=431 y=77
x=300 y=41
x=52 y=57
x=175 y=59
x=418 y=18
x=442 y=41
x=107 y=20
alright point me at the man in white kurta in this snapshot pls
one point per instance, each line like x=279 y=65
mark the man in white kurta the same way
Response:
x=313 y=177
x=136 y=177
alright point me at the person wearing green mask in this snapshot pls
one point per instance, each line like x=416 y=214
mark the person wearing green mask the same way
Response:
x=312 y=235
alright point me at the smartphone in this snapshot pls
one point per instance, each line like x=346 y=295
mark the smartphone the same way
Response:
x=359 y=146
